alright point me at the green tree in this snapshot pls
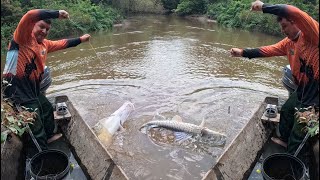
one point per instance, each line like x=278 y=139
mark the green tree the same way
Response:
x=187 y=7
x=170 y=4
x=85 y=17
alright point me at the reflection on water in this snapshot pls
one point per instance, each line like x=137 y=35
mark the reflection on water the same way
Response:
x=169 y=65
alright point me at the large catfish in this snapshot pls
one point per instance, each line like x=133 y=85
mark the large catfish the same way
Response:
x=185 y=130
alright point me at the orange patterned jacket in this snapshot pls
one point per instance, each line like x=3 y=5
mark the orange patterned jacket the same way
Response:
x=303 y=55
x=26 y=58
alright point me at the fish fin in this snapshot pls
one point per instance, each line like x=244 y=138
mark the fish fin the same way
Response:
x=153 y=126
x=177 y=118
x=145 y=128
x=121 y=128
x=181 y=136
x=158 y=116
x=202 y=122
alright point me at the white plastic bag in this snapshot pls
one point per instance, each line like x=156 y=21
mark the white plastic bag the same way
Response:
x=106 y=127
x=116 y=119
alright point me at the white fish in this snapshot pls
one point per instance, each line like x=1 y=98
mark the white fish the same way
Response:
x=107 y=127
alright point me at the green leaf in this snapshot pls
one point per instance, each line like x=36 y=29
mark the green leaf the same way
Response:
x=17 y=127
x=21 y=123
x=4 y=136
x=10 y=119
x=22 y=130
x=13 y=130
x=313 y=131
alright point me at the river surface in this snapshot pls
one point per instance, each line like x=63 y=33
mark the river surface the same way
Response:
x=171 y=66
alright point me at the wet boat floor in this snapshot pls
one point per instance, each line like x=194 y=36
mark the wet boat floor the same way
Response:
x=75 y=173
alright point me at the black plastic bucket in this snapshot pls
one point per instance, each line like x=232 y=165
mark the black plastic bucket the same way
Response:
x=283 y=166
x=49 y=164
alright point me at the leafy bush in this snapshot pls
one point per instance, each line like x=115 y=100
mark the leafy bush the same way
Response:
x=170 y=4
x=138 y=6
x=237 y=14
x=12 y=120
x=6 y=35
x=85 y=17
x=310 y=118
x=99 y=15
x=187 y=7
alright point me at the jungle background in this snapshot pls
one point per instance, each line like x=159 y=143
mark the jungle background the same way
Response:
x=98 y=15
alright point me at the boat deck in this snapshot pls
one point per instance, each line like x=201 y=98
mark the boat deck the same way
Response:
x=241 y=159
x=99 y=161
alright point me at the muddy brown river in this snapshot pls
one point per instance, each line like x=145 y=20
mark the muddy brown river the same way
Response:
x=171 y=66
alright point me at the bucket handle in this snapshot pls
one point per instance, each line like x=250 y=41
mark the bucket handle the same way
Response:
x=33 y=138
x=302 y=144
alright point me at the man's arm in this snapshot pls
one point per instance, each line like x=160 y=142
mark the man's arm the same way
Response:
x=65 y=43
x=304 y=22
x=278 y=49
x=23 y=32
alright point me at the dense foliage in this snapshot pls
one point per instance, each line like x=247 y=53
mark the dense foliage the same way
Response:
x=12 y=120
x=310 y=118
x=85 y=17
x=93 y=15
x=138 y=6
x=170 y=4
x=237 y=14
x=186 y=7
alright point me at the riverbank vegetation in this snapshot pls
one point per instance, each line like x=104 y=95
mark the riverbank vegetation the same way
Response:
x=85 y=16
x=94 y=15
x=237 y=14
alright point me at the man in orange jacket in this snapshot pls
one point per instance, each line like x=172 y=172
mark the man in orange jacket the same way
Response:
x=301 y=46
x=24 y=68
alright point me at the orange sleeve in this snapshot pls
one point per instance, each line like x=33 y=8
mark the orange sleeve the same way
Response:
x=55 y=45
x=278 y=49
x=308 y=26
x=23 y=32
x=61 y=44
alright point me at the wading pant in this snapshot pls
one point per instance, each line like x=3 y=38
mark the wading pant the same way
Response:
x=290 y=130
x=43 y=126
